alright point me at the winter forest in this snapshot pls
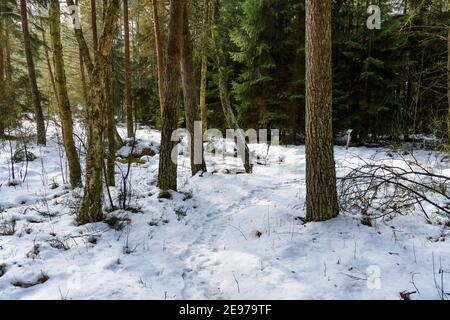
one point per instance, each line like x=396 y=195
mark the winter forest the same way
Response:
x=225 y=149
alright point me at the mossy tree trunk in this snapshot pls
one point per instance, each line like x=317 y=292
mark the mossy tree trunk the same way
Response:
x=189 y=90
x=65 y=111
x=87 y=60
x=91 y=207
x=321 y=195
x=40 y=125
x=170 y=99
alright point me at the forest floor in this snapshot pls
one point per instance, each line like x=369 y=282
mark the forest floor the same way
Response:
x=222 y=236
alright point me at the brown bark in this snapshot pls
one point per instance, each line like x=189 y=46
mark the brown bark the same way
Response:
x=167 y=176
x=91 y=207
x=158 y=49
x=40 y=125
x=189 y=90
x=63 y=97
x=321 y=195
x=128 y=98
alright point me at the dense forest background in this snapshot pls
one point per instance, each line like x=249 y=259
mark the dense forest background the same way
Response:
x=105 y=167
x=391 y=81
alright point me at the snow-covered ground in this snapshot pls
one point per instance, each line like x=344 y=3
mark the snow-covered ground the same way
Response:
x=222 y=236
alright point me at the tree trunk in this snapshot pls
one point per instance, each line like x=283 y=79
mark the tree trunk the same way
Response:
x=7 y=47
x=229 y=113
x=321 y=195
x=110 y=128
x=82 y=74
x=94 y=25
x=83 y=47
x=91 y=207
x=2 y=68
x=63 y=97
x=128 y=101
x=167 y=176
x=448 y=79
x=204 y=67
x=5 y=64
x=224 y=91
x=49 y=67
x=158 y=49
x=189 y=91
x=83 y=80
x=40 y=125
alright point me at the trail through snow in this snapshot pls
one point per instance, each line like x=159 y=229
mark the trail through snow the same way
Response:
x=222 y=236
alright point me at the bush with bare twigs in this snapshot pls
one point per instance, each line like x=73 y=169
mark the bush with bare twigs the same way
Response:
x=382 y=188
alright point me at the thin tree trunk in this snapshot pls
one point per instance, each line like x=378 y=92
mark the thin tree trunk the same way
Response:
x=2 y=68
x=63 y=97
x=321 y=195
x=91 y=207
x=189 y=91
x=2 y=40
x=40 y=125
x=82 y=74
x=204 y=67
x=7 y=47
x=83 y=80
x=224 y=91
x=83 y=47
x=128 y=101
x=167 y=176
x=49 y=67
x=158 y=49
x=94 y=25
x=229 y=113
x=110 y=130
x=448 y=79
